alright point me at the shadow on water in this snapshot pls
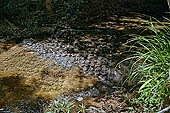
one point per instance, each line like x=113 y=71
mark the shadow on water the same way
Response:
x=27 y=81
x=16 y=97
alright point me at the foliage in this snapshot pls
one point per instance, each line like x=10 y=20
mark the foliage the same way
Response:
x=7 y=6
x=20 y=8
x=65 y=106
x=82 y=108
x=151 y=67
x=69 y=8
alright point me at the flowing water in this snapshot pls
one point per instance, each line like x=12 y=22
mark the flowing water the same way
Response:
x=27 y=81
x=34 y=72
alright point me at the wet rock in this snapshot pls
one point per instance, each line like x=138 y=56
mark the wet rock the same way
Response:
x=99 y=66
x=90 y=56
x=85 y=68
x=80 y=99
x=63 y=54
x=92 y=64
x=87 y=63
x=102 y=78
x=90 y=73
x=92 y=109
x=97 y=73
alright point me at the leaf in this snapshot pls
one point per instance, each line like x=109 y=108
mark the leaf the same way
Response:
x=144 y=85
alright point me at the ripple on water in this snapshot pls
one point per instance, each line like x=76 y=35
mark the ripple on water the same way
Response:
x=26 y=80
x=89 y=63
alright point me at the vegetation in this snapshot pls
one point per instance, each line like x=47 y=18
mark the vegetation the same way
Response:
x=150 y=69
x=65 y=106
x=151 y=54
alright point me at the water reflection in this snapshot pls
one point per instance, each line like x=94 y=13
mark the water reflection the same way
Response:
x=17 y=97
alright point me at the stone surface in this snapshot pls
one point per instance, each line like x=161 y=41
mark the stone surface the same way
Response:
x=92 y=64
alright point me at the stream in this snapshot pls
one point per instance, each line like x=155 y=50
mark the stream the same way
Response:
x=95 y=60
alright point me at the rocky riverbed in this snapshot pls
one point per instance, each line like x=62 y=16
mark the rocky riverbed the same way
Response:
x=90 y=63
x=27 y=81
x=45 y=68
x=29 y=75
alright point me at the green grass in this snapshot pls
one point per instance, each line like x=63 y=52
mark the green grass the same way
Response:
x=65 y=106
x=150 y=69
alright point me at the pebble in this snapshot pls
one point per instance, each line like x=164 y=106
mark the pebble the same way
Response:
x=89 y=63
x=89 y=57
x=80 y=99
x=63 y=55
x=85 y=68
x=91 y=68
x=90 y=73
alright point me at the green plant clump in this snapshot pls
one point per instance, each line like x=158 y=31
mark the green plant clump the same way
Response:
x=150 y=69
x=65 y=106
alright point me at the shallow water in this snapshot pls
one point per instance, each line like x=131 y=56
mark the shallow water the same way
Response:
x=92 y=64
x=27 y=81
x=17 y=97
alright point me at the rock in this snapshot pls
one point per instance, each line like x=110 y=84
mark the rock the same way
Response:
x=76 y=50
x=91 y=68
x=97 y=73
x=91 y=63
x=85 y=68
x=87 y=63
x=90 y=73
x=63 y=55
x=80 y=99
x=89 y=57
x=102 y=78
x=103 y=72
x=81 y=65
x=99 y=58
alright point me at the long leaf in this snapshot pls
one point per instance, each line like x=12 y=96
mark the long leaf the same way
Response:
x=144 y=85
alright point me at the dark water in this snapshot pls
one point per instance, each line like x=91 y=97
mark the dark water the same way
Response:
x=18 y=98
x=15 y=97
x=25 y=106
